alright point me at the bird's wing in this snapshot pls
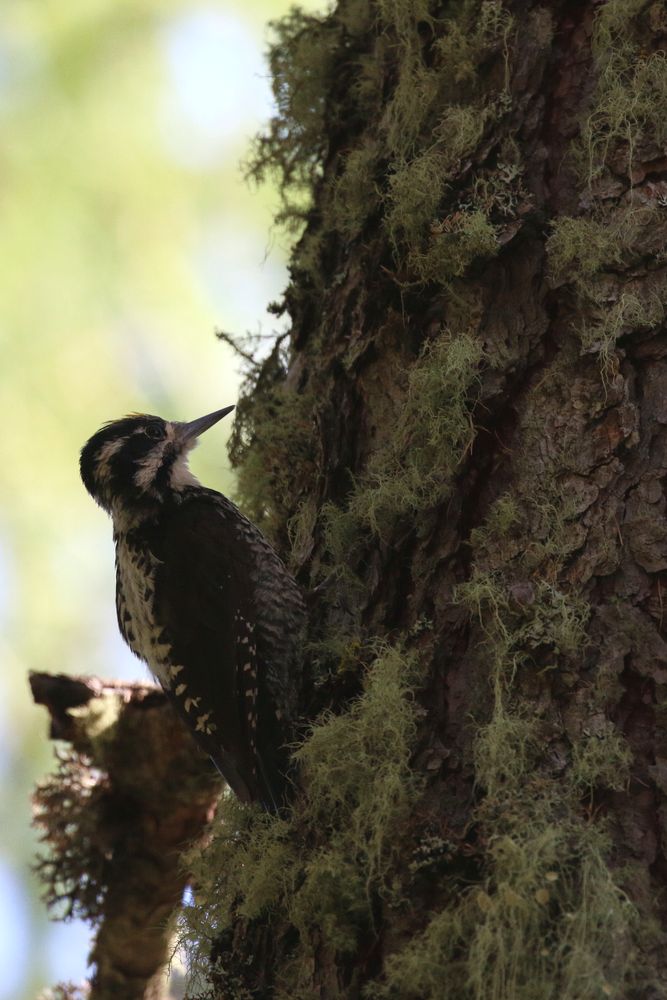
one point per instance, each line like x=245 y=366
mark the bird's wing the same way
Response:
x=205 y=602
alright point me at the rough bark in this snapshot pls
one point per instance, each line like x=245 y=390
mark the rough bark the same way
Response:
x=462 y=454
x=466 y=442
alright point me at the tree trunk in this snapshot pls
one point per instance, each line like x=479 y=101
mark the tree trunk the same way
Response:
x=462 y=457
x=464 y=450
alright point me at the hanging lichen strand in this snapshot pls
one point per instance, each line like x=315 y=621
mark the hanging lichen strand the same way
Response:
x=418 y=102
x=454 y=448
x=625 y=126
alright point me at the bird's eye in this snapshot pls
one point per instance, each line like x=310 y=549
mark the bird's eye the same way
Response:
x=154 y=431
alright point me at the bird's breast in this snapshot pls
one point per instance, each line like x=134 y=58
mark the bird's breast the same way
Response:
x=136 y=571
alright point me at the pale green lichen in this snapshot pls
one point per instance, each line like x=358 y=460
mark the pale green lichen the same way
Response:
x=431 y=437
x=415 y=191
x=541 y=916
x=548 y=923
x=546 y=919
x=414 y=469
x=630 y=101
x=355 y=766
x=455 y=243
x=479 y=30
x=355 y=194
x=302 y=59
x=601 y=759
x=588 y=253
x=580 y=248
x=504 y=514
x=613 y=319
x=504 y=749
x=300 y=528
x=274 y=454
x=403 y=16
x=507 y=744
x=417 y=186
x=319 y=869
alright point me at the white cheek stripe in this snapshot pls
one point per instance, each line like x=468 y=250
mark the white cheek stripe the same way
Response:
x=150 y=466
x=109 y=449
x=180 y=475
x=104 y=456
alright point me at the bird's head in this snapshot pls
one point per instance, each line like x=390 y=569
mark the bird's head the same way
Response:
x=137 y=462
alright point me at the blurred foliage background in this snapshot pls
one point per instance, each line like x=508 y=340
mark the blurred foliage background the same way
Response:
x=128 y=235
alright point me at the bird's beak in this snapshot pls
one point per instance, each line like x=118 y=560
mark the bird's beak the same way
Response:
x=192 y=430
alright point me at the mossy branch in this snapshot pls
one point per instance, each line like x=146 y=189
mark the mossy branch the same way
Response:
x=130 y=793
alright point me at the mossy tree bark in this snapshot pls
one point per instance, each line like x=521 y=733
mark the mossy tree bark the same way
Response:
x=467 y=442
x=462 y=456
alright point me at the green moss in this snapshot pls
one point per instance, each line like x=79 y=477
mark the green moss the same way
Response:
x=403 y=15
x=583 y=246
x=307 y=259
x=481 y=29
x=551 y=517
x=627 y=120
x=435 y=118
x=614 y=319
x=630 y=102
x=415 y=191
x=460 y=127
x=503 y=516
x=332 y=899
x=68 y=810
x=300 y=530
x=319 y=870
x=356 y=16
x=411 y=107
x=548 y=922
x=601 y=759
x=550 y=619
x=267 y=863
x=355 y=766
x=551 y=623
x=504 y=749
x=509 y=955
x=435 y=249
x=341 y=533
x=356 y=193
x=432 y=966
x=417 y=187
x=501 y=190
x=546 y=919
x=368 y=83
x=455 y=244
x=302 y=58
x=600 y=925
x=414 y=470
x=587 y=252
x=253 y=861
x=274 y=453
x=549 y=914
x=557 y=620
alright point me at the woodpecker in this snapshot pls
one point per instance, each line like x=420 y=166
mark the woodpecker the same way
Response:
x=202 y=598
